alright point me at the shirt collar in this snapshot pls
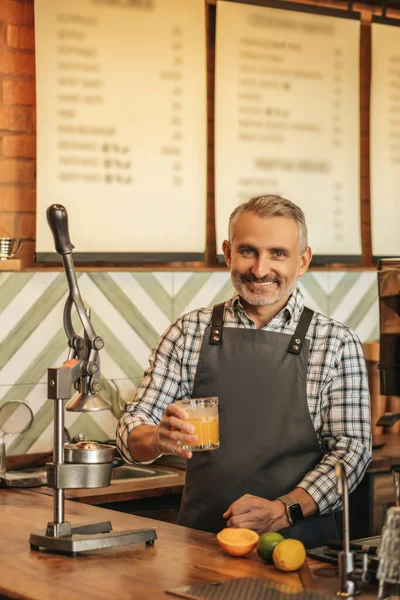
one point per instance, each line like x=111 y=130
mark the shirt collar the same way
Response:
x=293 y=308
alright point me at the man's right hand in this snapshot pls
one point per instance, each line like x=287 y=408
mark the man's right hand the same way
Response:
x=147 y=442
x=173 y=429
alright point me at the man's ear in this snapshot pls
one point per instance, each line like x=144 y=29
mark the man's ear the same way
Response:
x=226 y=248
x=305 y=260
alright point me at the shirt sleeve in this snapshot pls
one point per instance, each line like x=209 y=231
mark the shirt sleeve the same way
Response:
x=346 y=426
x=161 y=385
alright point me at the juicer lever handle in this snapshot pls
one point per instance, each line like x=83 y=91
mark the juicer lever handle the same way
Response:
x=57 y=219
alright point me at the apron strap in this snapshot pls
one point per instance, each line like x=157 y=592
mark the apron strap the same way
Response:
x=296 y=343
x=217 y=323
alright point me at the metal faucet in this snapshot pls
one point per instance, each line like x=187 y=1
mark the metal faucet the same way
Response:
x=346 y=559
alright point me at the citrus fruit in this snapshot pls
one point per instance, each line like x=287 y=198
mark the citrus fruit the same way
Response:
x=289 y=555
x=237 y=542
x=267 y=543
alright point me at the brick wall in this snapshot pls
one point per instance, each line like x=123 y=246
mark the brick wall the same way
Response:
x=17 y=124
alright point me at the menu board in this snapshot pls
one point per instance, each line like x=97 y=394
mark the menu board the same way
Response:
x=121 y=110
x=385 y=140
x=287 y=119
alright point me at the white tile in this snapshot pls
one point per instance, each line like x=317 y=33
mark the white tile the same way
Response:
x=23 y=301
x=207 y=292
x=179 y=280
x=142 y=300
x=166 y=280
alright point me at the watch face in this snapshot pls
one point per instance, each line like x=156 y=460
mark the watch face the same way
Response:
x=296 y=514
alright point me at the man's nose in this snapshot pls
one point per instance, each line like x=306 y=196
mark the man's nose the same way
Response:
x=261 y=267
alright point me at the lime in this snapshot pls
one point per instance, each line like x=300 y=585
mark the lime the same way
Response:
x=267 y=543
x=289 y=555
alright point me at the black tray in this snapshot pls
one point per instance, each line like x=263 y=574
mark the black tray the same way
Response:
x=245 y=588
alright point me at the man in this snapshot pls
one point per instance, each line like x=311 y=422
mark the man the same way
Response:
x=292 y=387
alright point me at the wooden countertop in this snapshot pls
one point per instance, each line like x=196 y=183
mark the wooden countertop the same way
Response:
x=180 y=556
x=387 y=456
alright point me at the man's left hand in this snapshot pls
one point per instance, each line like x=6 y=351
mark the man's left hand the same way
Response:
x=258 y=514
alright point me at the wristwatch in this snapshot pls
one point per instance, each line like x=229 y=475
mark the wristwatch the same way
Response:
x=293 y=509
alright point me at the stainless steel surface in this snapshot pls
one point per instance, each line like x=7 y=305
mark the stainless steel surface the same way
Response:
x=87 y=402
x=346 y=568
x=87 y=452
x=95 y=538
x=9 y=247
x=346 y=560
x=55 y=530
x=342 y=489
x=396 y=483
x=16 y=417
x=136 y=473
x=58 y=458
x=25 y=478
x=77 y=476
x=123 y=474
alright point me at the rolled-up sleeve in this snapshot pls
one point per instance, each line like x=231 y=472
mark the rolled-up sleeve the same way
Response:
x=346 y=426
x=160 y=386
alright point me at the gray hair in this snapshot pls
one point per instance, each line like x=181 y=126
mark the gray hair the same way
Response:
x=272 y=206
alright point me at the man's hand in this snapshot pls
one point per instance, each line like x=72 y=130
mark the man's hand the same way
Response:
x=171 y=430
x=258 y=514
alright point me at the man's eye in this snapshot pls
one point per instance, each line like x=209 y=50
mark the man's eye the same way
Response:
x=247 y=251
x=279 y=254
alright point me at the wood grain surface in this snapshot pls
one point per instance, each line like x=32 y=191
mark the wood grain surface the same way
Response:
x=180 y=556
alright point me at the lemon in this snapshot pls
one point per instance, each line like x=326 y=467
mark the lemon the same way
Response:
x=237 y=542
x=289 y=555
x=267 y=543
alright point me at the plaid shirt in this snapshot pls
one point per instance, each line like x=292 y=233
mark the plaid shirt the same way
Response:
x=337 y=389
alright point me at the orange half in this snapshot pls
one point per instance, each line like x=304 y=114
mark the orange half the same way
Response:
x=237 y=542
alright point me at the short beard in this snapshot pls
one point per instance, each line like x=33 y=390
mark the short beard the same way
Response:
x=285 y=290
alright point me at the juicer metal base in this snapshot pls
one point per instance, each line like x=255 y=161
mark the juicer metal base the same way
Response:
x=92 y=536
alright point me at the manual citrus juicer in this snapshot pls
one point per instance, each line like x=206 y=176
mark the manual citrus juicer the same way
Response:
x=84 y=464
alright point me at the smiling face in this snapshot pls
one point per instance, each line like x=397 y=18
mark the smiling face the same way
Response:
x=265 y=260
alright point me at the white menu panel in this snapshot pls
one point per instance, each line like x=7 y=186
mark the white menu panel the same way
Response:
x=121 y=107
x=385 y=140
x=287 y=118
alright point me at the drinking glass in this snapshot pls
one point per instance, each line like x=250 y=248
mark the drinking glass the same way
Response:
x=15 y=418
x=2 y=454
x=203 y=415
x=389 y=556
x=396 y=483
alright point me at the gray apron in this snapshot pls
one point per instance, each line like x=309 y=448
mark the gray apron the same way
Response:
x=267 y=440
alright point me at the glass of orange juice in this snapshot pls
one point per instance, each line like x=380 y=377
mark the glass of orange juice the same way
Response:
x=203 y=415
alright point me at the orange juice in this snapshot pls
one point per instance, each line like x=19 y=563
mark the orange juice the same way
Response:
x=207 y=431
x=202 y=413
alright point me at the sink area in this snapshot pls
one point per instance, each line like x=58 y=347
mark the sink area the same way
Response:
x=38 y=476
x=136 y=472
